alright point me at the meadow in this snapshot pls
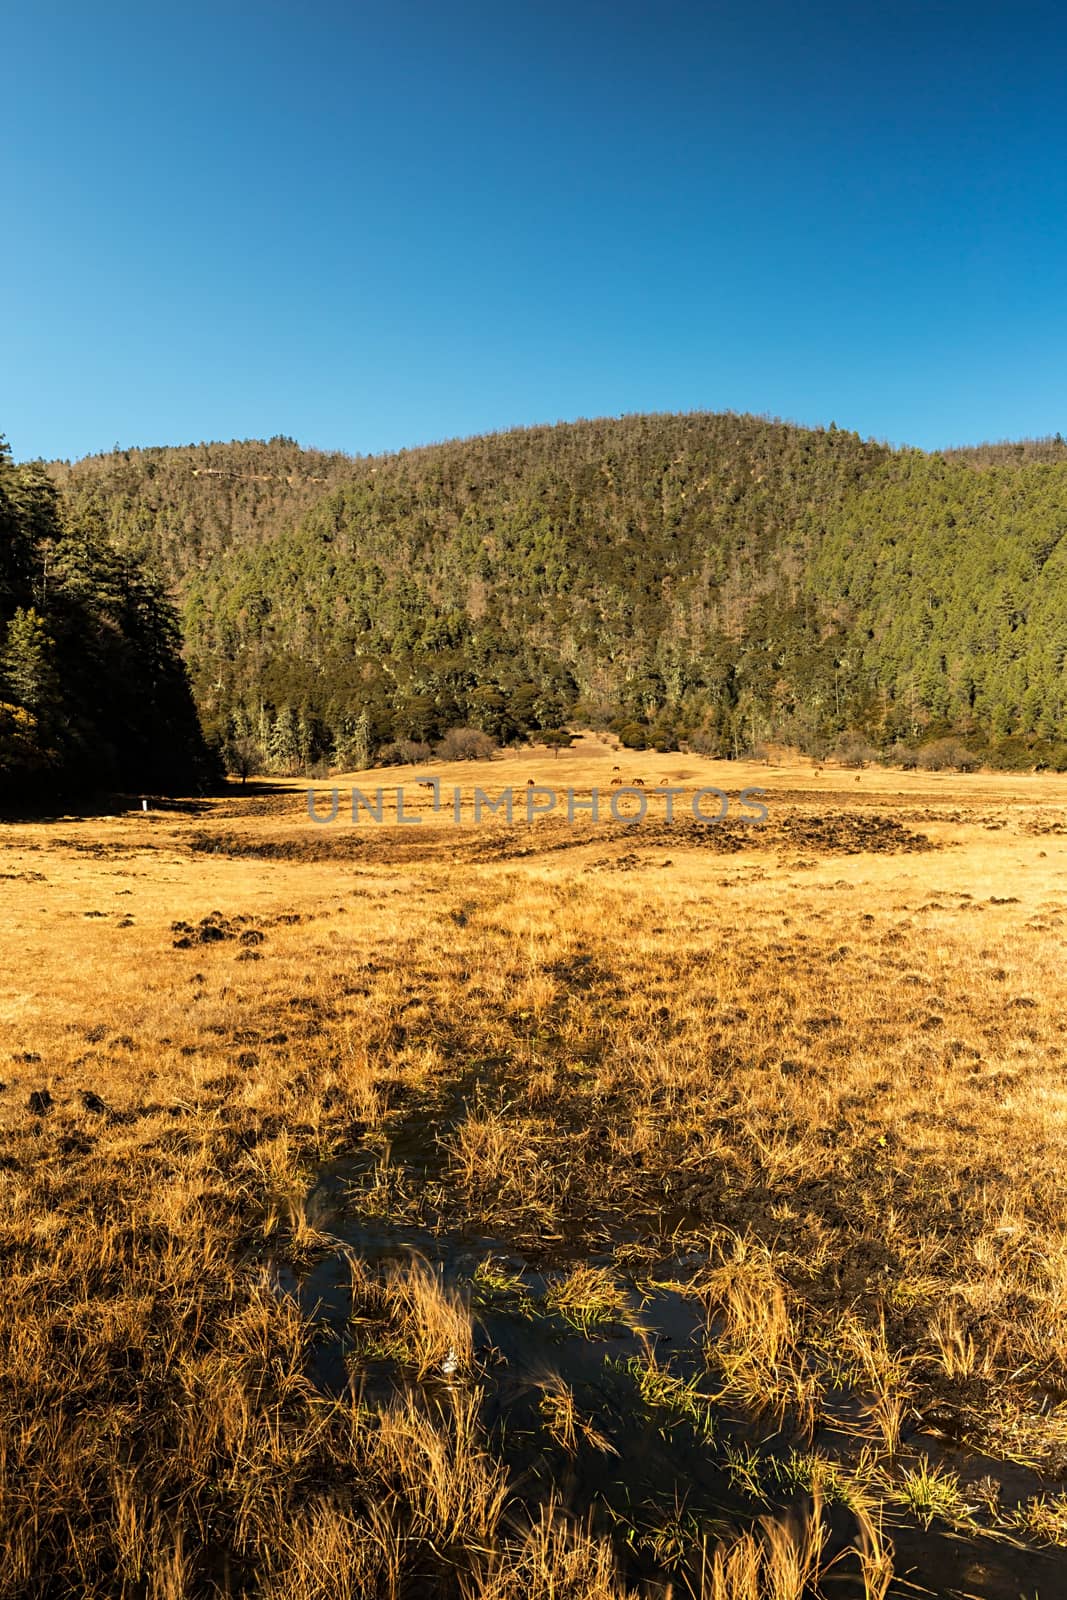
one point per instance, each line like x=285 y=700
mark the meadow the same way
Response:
x=571 y=1212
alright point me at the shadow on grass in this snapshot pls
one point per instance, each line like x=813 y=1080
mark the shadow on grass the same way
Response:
x=66 y=808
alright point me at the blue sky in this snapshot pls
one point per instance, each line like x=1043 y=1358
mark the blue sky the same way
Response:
x=371 y=226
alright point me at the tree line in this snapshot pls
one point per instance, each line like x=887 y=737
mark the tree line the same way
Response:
x=94 y=694
x=707 y=579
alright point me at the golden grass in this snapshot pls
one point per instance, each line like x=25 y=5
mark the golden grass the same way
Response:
x=406 y=1312
x=832 y=1082
x=565 y=1422
x=779 y=1561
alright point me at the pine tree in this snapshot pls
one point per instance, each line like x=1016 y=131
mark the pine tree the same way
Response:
x=283 y=749
x=28 y=665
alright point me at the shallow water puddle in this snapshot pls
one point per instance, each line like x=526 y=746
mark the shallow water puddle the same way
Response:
x=612 y=1408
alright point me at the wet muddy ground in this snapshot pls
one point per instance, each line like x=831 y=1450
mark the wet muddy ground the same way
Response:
x=656 y=1459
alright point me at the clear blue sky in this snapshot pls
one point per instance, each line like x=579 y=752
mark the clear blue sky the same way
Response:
x=371 y=226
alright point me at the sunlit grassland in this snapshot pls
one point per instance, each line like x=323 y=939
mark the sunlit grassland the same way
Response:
x=831 y=1085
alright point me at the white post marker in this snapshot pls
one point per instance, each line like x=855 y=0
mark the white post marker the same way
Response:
x=144 y=805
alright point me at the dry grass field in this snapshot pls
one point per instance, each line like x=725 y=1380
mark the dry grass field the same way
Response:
x=553 y=1211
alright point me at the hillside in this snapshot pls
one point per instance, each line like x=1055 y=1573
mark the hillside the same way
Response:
x=711 y=578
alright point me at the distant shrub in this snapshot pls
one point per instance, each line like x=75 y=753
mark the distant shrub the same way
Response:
x=404 y=753
x=465 y=744
x=902 y=755
x=1011 y=754
x=1015 y=753
x=633 y=735
x=1050 y=756
x=946 y=755
x=853 y=751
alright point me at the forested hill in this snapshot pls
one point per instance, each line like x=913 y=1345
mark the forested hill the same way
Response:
x=713 y=578
x=184 y=505
x=93 y=691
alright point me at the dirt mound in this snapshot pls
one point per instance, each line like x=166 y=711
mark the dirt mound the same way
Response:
x=846 y=833
x=341 y=843
x=215 y=929
x=831 y=833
